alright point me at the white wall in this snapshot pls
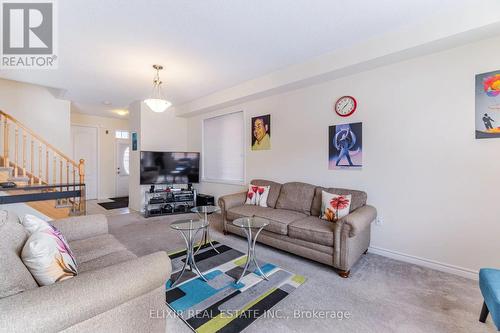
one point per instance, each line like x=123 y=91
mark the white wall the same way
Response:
x=464 y=23
x=135 y=195
x=36 y=108
x=434 y=185
x=162 y=131
x=157 y=132
x=107 y=148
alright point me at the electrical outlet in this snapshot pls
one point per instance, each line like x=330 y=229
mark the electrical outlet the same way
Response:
x=379 y=221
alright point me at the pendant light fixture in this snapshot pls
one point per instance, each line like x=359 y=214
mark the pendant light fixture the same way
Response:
x=156 y=102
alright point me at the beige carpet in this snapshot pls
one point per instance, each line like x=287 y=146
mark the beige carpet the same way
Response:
x=382 y=295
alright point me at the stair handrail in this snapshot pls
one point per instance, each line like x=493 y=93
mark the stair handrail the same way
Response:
x=6 y=121
x=41 y=140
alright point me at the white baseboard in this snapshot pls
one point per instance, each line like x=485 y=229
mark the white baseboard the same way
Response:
x=460 y=271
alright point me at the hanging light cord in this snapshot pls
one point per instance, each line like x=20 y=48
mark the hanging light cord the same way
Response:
x=156 y=85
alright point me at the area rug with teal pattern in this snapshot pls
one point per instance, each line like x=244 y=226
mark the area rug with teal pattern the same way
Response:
x=221 y=305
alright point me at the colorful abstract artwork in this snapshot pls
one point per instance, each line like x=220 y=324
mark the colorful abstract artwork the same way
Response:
x=261 y=132
x=221 y=305
x=488 y=105
x=345 y=146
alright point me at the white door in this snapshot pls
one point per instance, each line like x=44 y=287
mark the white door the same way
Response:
x=85 y=146
x=122 y=167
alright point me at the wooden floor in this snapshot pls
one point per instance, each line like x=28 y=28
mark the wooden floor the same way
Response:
x=48 y=208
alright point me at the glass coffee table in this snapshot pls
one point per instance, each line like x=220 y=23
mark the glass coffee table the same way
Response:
x=203 y=212
x=189 y=230
x=252 y=226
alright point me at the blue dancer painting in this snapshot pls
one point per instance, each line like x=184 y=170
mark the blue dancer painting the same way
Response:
x=345 y=146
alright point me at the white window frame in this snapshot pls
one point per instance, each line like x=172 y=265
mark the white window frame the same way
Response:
x=223 y=181
x=121 y=134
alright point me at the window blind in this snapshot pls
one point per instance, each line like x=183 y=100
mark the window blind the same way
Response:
x=223 y=148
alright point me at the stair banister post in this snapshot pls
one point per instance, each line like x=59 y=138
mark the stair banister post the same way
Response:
x=6 y=144
x=47 y=165
x=81 y=173
x=61 y=173
x=74 y=187
x=39 y=163
x=54 y=170
x=24 y=153
x=32 y=160
x=16 y=151
x=67 y=175
x=81 y=170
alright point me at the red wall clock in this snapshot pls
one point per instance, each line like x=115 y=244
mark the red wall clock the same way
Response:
x=345 y=106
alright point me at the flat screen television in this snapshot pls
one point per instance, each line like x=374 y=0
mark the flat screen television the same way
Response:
x=169 y=167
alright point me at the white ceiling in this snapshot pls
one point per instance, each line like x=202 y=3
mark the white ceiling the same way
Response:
x=106 y=48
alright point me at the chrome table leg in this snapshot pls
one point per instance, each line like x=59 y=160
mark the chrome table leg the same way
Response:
x=189 y=239
x=251 y=257
x=206 y=237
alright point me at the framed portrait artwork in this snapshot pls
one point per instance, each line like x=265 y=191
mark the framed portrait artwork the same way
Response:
x=261 y=132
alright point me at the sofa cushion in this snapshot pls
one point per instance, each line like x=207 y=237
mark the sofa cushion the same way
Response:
x=274 y=191
x=358 y=198
x=95 y=247
x=296 y=196
x=14 y=276
x=279 y=219
x=106 y=260
x=312 y=229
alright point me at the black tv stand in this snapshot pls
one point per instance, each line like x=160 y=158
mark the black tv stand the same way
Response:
x=169 y=201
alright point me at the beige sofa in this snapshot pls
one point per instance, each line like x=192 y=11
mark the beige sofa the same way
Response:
x=293 y=211
x=115 y=291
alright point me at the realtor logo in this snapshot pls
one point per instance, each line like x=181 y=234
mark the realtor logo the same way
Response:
x=28 y=30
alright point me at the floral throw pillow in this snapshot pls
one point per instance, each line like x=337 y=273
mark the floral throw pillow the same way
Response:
x=257 y=195
x=334 y=206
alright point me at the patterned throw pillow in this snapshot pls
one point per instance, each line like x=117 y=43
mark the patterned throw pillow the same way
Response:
x=47 y=258
x=257 y=195
x=46 y=253
x=33 y=223
x=334 y=206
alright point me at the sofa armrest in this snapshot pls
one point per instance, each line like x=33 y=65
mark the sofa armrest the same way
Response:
x=82 y=227
x=358 y=220
x=66 y=303
x=227 y=202
x=232 y=200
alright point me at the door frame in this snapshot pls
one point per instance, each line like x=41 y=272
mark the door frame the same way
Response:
x=117 y=141
x=98 y=154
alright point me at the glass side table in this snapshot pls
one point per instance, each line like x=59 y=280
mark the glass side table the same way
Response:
x=203 y=212
x=252 y=226
x=189 y=229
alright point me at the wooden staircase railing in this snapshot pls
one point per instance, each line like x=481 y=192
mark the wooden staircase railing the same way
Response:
x=35 y=161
